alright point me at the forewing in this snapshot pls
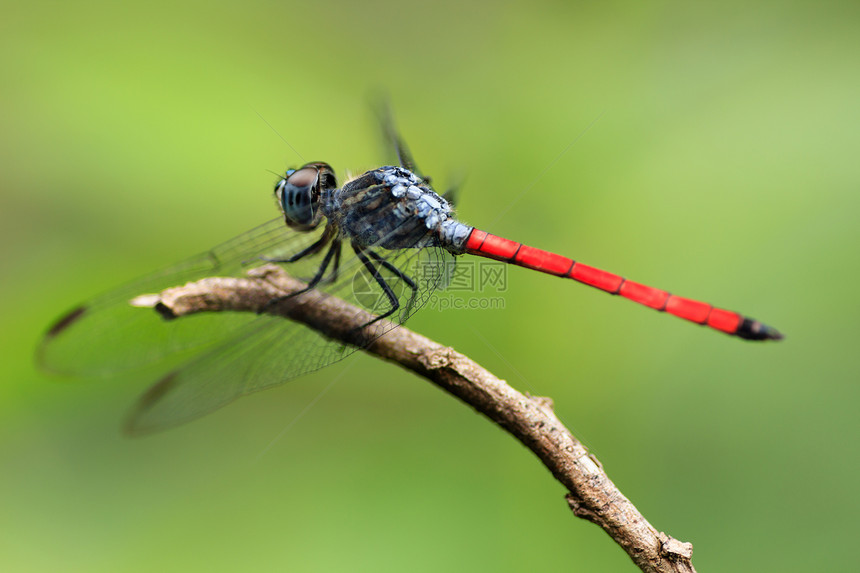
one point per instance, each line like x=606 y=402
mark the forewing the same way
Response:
x=107 y=334
x=215 y=357
x=272 y=350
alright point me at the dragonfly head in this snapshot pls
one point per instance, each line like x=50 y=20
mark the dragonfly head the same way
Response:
x=298 y=194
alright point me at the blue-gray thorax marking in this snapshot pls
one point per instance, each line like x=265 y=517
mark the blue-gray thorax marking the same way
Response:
x=392 y=208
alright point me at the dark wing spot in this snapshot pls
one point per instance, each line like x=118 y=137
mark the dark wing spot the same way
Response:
x=149 y=398
x=66 y=321
x=165 y=311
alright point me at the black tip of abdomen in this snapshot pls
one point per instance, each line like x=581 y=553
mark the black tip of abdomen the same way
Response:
x=754 y=330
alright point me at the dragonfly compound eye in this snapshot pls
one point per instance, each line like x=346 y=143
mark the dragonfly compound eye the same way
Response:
x=298 y=196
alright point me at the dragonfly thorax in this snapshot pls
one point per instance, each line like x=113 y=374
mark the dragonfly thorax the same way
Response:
x=298 y=194
x=392 y=208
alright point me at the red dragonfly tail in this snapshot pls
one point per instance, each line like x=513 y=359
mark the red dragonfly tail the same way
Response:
x=484 y=244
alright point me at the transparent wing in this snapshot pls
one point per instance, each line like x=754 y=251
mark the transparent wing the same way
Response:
x=213 y=358
x=272 y=350
x=107 y=335
x=391 y=138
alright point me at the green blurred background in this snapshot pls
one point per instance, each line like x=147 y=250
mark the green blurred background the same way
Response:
x=721 y=163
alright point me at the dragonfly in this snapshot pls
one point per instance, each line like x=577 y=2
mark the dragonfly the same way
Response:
x=384 y=239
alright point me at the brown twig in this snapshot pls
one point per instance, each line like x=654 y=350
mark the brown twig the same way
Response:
x=530 y=419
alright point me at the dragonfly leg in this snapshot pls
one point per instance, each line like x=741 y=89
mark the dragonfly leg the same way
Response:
x=374 y=272
x=335 y=267
x=311 y=250
x=400 y=274
x=365 y=256
x=333 y=252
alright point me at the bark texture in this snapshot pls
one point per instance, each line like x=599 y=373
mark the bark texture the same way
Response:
x=530 y=419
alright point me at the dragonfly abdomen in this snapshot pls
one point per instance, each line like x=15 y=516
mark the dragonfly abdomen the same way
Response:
x=491 y=246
